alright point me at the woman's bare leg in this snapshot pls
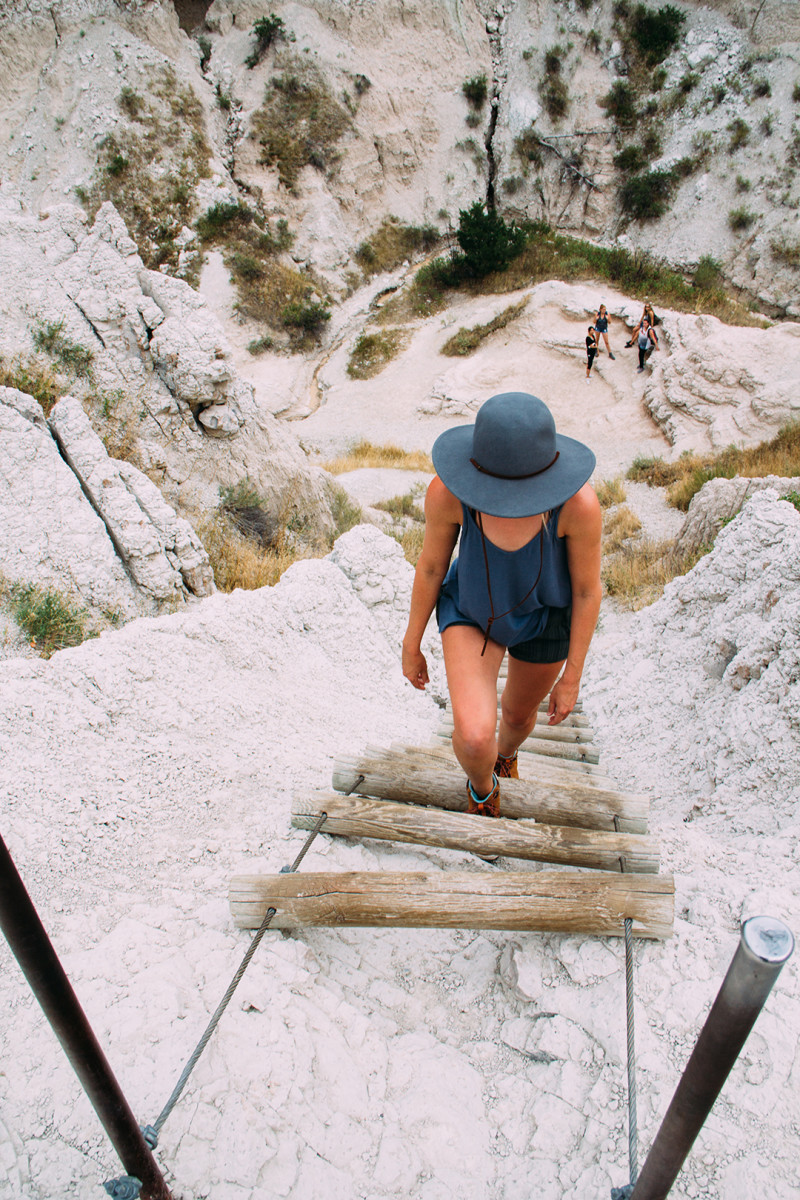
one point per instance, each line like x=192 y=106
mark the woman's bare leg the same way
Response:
x=472 y=681
x=526 y=687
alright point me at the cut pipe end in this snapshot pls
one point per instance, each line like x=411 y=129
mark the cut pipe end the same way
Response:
x=768 y=939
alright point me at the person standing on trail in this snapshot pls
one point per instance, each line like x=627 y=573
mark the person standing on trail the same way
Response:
x=601 y=326
x=591 y=350
x=527 y=577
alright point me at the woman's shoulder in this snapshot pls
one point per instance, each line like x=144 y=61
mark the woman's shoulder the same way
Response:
x=440 y=502
x=580 y=511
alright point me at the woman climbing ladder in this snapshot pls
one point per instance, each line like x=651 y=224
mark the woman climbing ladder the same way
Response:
x=527 y=577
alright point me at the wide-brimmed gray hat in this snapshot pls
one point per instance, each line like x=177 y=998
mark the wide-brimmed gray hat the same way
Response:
x=511 y=462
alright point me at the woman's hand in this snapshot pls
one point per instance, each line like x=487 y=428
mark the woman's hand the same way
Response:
x=415 y=668
x=563 y=699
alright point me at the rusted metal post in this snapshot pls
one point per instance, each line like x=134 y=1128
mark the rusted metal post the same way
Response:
x=34 y=952
x=765 y=946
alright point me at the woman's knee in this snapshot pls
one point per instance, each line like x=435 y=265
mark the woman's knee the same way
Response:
x=475 y=738
x=518 y=716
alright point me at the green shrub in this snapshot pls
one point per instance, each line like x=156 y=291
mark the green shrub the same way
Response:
x=761 y=87
x=76 y=359
x=646 y=197
x=740 y=134
x=620 y=103
x=218 y=219
x=487 y=242
x=528 y=148
x=651 y=143
x=796 y=93
x=631 y=158
x=793 y=498
x=204 y=46
x=658 y=79
x=260 y=345
x=786 y=250
x=266 y=31
x=50 y=620
x=655 y=32
x=33 y=379
x=555 y=97
x=130 y=102
x=117 y=164
x=309 y=316
x=766 y=125
x=740 y=219
x=717 y=94
x=708 y=274
x=475 y=90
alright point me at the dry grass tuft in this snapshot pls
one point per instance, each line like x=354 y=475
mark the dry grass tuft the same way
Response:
x=779 y=456
x=610 y=491
x=366 y=454
x=239 y=562
x=619 y=526
x=34 y=378
x=638 y=573
x=393 y=243
x=468 y=339
x=299 y=122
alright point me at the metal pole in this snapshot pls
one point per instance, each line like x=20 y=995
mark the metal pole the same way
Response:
x=764 y=947
x=34 y=952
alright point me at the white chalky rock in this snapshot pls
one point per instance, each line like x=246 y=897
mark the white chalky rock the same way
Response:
x=729 y=383
x=718 y=501
x=718 y=658
x=49 y=532
x=145 y=531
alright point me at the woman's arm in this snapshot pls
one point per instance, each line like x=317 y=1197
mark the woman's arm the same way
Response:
x=442 y=525
x=581 y=522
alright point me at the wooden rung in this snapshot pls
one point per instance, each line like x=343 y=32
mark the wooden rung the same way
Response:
x=569 y=734
x=355 y=816
x=553 y=769
x=436 y=782
x=569 y=751
x=589 y=902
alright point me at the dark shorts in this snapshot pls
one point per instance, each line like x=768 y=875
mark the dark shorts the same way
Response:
x=551 y=645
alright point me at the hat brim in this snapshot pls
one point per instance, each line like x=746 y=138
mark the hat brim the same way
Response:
x=496 y=497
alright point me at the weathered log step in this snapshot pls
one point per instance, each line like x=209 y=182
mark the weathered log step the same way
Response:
x=571 y=734
x=411 y=776
x=568 y=751
x=590 y=902
x=532 y=765
x=355 y=816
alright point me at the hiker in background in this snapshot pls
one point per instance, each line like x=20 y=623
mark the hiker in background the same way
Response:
x=646 y=341
x=601 y=326
x=527 y=577
x=647 y=315
x=591 y=349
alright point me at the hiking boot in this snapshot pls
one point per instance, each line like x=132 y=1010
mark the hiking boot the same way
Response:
x=489 y=806
x=506 y=768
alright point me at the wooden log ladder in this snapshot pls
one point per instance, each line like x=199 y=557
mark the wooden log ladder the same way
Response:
x=563 y=811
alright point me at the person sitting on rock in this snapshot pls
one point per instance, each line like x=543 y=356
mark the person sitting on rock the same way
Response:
x=515 y=495
x=647 y=315
x=601 y=326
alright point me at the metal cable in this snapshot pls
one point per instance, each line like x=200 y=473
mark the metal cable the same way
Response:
x=151 y=1132
x=633 y=1130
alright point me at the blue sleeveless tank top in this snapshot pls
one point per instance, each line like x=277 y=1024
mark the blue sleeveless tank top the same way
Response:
x=464 y=596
